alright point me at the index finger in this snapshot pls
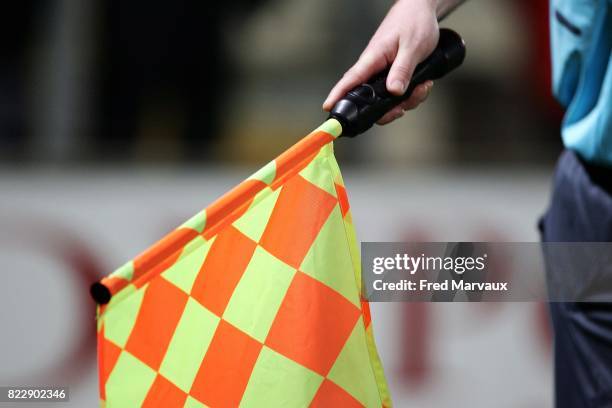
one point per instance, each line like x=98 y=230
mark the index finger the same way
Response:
x=368 y=64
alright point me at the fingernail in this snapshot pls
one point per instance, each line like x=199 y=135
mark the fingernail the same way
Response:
x=399 y=86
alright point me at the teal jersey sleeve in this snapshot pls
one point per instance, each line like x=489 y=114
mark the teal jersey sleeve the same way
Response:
x=581 y=43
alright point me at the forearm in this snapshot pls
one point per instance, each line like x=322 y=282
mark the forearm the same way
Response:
x=445 y=7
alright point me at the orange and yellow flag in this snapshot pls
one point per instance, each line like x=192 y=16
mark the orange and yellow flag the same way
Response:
x=253 y=302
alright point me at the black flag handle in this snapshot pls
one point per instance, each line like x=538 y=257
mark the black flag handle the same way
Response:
x=361 y=107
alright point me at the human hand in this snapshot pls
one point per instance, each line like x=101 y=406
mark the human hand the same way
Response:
x=407 y=35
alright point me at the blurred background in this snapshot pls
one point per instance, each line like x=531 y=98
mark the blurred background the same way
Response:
x=119 y=120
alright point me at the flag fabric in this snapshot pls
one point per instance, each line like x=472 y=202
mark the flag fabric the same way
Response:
x=254 y=302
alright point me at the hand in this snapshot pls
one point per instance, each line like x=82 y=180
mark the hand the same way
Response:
x=407 y=35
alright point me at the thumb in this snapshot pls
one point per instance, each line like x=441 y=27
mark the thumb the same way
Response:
x=401 y=71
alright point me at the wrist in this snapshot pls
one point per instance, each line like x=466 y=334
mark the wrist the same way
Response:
x=429 y=5
x=445 y=7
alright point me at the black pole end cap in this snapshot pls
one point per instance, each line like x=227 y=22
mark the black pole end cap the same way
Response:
x=453 y=47
x=100 y=293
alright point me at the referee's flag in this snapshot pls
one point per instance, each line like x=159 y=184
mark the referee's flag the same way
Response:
x=254 y=302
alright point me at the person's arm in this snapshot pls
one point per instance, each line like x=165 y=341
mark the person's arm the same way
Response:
x=445 y=7
x=406 y=36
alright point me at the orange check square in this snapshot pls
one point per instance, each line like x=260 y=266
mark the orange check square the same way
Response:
x=330 y=395
x=342 y=199
x=226 y=367
x=160 y=312
x=223 y=267
x=312 y=324
x=164 y=394
x=300 y=211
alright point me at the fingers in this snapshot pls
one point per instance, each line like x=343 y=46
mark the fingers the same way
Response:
x=401 y=71
x=390 y=116
x=368 y=64
x=419 y=95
